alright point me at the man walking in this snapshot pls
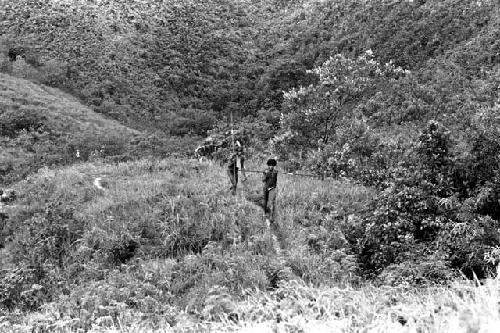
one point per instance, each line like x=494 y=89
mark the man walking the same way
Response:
x=270 y=180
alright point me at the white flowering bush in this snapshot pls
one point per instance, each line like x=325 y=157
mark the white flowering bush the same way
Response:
x=312 y=115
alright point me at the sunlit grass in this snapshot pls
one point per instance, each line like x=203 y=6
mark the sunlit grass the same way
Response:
x=162 y=195
x=295 y=307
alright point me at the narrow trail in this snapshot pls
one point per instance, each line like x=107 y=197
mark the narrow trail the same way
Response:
x=273 y=230
x=278 y=244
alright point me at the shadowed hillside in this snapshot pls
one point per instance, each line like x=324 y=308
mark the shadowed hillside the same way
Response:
x=42 y=126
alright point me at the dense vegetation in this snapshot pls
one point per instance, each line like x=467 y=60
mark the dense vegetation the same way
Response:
x=161 y=247
x=173 y=65
x=65 y=238
x=186 y=63
x=397 y=101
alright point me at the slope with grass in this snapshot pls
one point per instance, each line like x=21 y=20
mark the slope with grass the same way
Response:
x=42 y=126
x=62 y=111
x=164 y=247
x=161 y=235
x=161 y=243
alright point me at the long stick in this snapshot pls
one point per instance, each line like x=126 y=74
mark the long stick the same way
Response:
x=290 y=173
x=232 y=134
x=235 y=170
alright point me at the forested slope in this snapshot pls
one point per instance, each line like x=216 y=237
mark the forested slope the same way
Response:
x=182 y=65
x=169 y=63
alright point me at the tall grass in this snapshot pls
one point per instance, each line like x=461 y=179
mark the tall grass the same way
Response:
x=295 y=307
x=206 y=261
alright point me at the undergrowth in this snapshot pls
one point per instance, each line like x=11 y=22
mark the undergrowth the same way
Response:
x=166 y=247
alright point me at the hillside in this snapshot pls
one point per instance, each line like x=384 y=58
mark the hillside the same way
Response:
x=56 y=111
x=42 y=126
x=164 y=65
x=184 y=66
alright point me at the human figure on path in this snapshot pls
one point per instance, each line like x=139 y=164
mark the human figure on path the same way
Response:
x=241 y=159
x=270 y=181
x=236 y=161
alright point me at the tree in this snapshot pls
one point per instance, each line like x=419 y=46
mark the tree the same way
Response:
x=312 y=113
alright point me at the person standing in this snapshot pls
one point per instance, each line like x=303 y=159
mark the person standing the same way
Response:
x=270 y=181
x=236 y=161
x=232 y=172
x=241 y=159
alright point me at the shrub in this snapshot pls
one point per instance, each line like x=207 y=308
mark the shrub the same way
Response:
x=421 y=270
x=20 y=289
x=13 y=121
x=121 y=298
x=53 y=73
x=333 y=267
x=49 y=236
x=426 y=207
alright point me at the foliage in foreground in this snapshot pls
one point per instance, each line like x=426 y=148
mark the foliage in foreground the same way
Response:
x=165 y=245
x=292 y=307
x=65 y=232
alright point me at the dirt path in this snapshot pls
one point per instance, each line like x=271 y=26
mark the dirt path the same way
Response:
x=273 y=229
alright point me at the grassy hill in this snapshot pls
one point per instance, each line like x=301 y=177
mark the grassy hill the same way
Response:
x=173 y=219
x=42 y=126
x=56 y=110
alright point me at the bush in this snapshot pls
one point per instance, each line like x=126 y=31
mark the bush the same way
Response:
x=333 y=267
x=20 y=289
x=49 y=237
x=420 y=271
x=423 y=209
x=13 y=122
x=122 y=298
